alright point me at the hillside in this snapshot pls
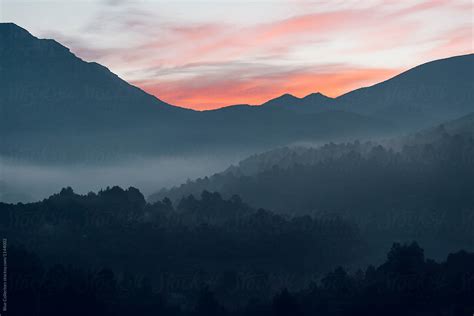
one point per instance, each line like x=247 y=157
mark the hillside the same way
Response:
x=429 y=170
x=430 y=93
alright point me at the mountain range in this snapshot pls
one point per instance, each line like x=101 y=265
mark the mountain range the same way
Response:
x=56 y=107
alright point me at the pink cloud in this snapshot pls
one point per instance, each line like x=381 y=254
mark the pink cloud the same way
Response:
x=217 y=60
x=209 y=93
x=455 y=42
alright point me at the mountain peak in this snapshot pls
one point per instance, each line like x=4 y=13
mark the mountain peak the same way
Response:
x=284 y=99
x=10 y=26
x=43 y=75
x=16 y=40
x=316 y=96
x=286 y=96
x=10 y=31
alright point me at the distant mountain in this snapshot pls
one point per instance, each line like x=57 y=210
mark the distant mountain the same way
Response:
x=312 y=103
x=430 y=93
x=283 y=100
x=56 y=107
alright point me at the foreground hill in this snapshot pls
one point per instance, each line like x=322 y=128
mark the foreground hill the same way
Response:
x=113 y=254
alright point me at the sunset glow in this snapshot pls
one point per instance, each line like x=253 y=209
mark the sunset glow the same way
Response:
x=205 y=55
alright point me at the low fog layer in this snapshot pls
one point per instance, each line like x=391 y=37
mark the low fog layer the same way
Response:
x=26 y=182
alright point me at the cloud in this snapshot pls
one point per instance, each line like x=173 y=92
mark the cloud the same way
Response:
x=212 y=62
x=211 y=91
x=458 y=40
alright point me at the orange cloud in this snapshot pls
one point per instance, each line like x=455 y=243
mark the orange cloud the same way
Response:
x=220 y=63
x=205 y=94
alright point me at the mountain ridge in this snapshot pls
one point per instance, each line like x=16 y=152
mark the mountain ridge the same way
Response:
x=54 y=105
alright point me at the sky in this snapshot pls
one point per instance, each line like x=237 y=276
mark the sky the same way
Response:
x=209 y=54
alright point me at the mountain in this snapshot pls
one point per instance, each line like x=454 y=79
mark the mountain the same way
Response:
x=429 y=93
x=283 y=100
x=56 y=107
x=312 y=103
x=422 y=96
x=43 y=85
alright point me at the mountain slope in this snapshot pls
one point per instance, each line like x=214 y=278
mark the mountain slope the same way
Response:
x=422 y=96
x=275 y=178
x=43 y=85
x=429 y=93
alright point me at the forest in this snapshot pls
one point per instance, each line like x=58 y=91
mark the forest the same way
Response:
x=237 y=158
x=420 y=189
x=262 y=238
x=406 y=283
x=437 y=173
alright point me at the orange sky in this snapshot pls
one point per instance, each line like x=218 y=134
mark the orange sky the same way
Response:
x=258 y=90
x=205 y=54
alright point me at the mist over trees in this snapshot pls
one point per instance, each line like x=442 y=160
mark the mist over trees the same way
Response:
x=417 y=188
x=198 y=252
x=425 y=169
x=293 y=231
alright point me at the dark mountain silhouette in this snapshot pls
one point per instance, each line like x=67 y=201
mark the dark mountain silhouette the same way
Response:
x=312 y=103
x=422 y=96
x=44 y=85
x=427 y=94
x=57 y=107
x=283 y=100
x=430 y=93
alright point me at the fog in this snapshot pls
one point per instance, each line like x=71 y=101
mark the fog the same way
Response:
x=27 y=182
